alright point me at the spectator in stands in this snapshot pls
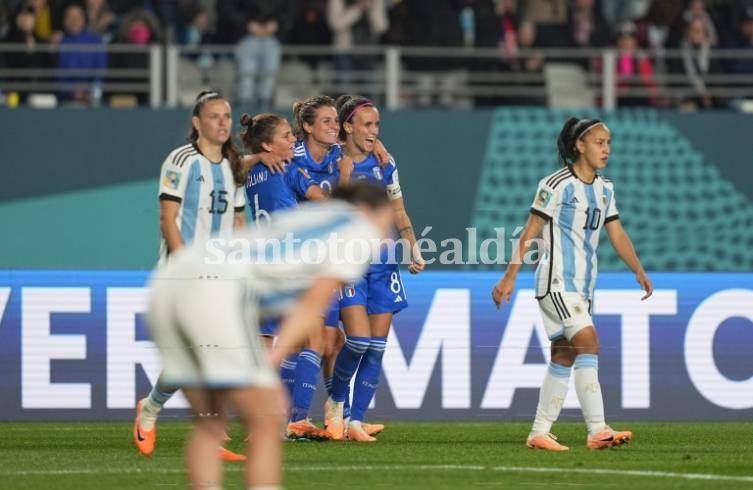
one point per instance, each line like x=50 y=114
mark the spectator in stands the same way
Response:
x=744 y=65
x=101 y=18
x=310 y=27
x=634 y=70
x=355 y=23
x=140 y=27
x=257 y=27
x=197 y=32
x=22 y=32
x=86 y=88
x=588 y=29
x=507 y=18
x=696 y=60
x=46 y=20
x=533 y=61
x=697 y=11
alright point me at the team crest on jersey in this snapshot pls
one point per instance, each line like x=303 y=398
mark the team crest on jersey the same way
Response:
x=172 y=179
x=377 y=173
x=349 y=291
x=543 y=198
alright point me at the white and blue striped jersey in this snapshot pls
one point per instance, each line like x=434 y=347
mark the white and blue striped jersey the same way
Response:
x=280 y=261
x=206 y=192
x=575 y=212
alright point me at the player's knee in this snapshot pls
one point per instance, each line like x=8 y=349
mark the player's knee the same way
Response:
x=562 y=353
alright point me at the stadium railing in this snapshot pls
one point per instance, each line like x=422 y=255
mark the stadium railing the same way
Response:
x=399 y=77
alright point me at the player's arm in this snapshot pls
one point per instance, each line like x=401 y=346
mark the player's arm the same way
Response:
x=405 y=230
x=168 y=215
x=502 y=291
x=304 y=316
x=345 y=166
x=315 y=193
x=273 y=163
x=380 y=151
x=626 y=251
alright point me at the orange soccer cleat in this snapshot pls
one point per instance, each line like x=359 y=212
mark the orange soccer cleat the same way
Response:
x=333 y=419
x=304 y=429
x=145 y=440
x=357 y=433
x=607 y=438
x=228 y=455
x=372 y=429
x=547 y=442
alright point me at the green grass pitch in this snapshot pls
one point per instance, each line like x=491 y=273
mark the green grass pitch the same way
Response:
x=437 y=456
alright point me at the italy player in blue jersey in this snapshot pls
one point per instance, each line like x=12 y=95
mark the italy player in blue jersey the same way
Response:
x=200 y=196
x=367 y=307
x=570 y=208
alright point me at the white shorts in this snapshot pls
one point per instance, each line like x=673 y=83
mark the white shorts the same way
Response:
x=565 y=314
x=207 y=332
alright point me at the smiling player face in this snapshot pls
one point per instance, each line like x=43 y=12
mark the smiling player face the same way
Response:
x=594 y=147
x=282 y=142
x=214 y=122
x=364 y=129
x=325 y=127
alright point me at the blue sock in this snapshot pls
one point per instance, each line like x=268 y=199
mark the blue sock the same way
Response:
x=328 y=384
x=346 y=406
x=367 y=378
x=306 y=372
x=346 y=365
x=287 y=374
x=160 y=394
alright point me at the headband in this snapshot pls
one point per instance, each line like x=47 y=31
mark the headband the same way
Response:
x=368 y=103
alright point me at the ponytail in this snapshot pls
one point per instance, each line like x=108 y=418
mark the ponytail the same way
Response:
x=573 y=130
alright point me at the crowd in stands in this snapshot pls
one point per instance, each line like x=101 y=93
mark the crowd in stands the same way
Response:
x=640 y=30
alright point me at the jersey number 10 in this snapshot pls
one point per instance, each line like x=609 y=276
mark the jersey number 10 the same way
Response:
x=219 y=202
x=593 y=219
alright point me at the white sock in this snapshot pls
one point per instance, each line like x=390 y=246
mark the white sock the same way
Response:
x=589 y=391
x=551 y=397
x=149 y=413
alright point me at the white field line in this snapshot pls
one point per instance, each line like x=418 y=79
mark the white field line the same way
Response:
x=500 y=469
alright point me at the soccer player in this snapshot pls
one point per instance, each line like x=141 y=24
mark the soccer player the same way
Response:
x=204 y=313
x=367 y=307
x=570 y=208
x=200 y=196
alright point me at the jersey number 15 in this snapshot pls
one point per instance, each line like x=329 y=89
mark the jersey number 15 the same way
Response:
x=219 y=202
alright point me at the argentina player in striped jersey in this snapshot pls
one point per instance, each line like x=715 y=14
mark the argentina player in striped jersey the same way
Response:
x=207 y=329
x=570 y=208
x=201 y=196
x=367 y=306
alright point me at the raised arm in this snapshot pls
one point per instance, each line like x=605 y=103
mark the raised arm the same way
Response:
x=625 y=250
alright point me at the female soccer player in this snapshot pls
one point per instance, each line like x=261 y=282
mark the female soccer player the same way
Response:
x=201 y=196
x=203 y=312
x=367 y=307
x=570 y=207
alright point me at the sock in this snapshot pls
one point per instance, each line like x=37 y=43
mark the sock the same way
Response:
x=153 y=404
x=328 y=384
x=346 y=405
x=551 y=397
x=287 y=374
x=589 y=391
x=367 y=378
x=306 y=371
x=346 y=365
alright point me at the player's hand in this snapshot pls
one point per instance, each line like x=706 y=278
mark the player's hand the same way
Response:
x=645 y=284
x=502 y=292
x=381 y=153
x=276 y=165
x=417 y=264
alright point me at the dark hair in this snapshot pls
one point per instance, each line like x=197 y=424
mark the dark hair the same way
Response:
x=228 y=148
x=259 y=129
x=305 y=112
x=362 y=192
x=573 y=130
x=347 y=106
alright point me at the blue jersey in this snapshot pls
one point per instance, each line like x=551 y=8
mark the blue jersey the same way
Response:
x=324 y=173
x=268 y=192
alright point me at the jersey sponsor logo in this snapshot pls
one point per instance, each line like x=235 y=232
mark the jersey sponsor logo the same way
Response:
x=172 y=179
x=138 y=434
x=200 y=179
x=575 y=200
x=377 y=173
x=543 y=198
x=398 y=299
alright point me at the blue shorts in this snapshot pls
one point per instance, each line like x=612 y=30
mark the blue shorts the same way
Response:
x=332 y=317
x=380 y=291
x=270 y=327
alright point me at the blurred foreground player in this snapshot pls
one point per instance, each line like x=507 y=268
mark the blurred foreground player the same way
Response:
x=206 y=305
